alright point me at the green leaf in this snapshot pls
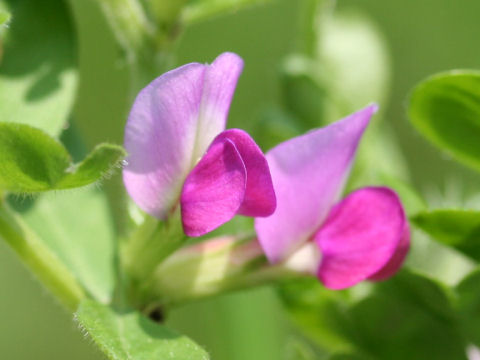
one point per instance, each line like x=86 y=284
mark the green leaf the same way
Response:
x=100 y=162
x=296 y=350
x=38 y=77
x=129 y=335
x=410 y=313
x=320 y=313
x=78 y=228
x=348 y=357
x=350 y=70
x=32 y=161
x=456 y=228
x=446 y=110
x=303 y=91
x=275 y=126
x=468 y=305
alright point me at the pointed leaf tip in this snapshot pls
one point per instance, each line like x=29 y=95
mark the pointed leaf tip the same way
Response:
x=33 y=161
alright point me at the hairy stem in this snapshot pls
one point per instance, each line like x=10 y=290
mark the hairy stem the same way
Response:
x=46 y=266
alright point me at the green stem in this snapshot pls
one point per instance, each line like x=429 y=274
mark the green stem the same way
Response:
x=311 y=18
x=201 y=10
x=129 y=23
x=166 y=12
x=40 y=259
x=152 y=243
x=148 y=42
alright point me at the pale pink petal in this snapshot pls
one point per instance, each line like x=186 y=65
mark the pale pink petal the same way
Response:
x=308 y=175
x=160 y=136
x=171 y=124
x=259 y=196
x=220 y=82
x=361 y=235
x=214 y=191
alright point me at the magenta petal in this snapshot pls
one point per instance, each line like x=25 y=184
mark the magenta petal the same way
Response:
x=308 y=175
x=360 y=237
x=259 y=195
x=214 y=191
x=397 y=259
x=171 y=124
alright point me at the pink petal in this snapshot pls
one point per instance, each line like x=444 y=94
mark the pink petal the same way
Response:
x=220 y=82
x=259 y=195
x=214 y=191
x=308 y=175
x=397 y=259
x=171 y=124
x=363 y=234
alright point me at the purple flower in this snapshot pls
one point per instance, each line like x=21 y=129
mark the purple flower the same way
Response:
x=179 y=152
x=364 y=236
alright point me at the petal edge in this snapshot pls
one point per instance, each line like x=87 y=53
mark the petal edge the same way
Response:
x=360 y=237
x=214 y=190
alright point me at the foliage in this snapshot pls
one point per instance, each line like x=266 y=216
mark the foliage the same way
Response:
x=32 y=161
x=38 y=79
x=129 y=335
x=446 y=110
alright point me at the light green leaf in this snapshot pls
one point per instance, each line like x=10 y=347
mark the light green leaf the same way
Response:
x=446 y=110
x=298 y=348
x=102 y=160
x=4 y=17
x=32 y=161
x=129 y=335
x=350 y=69
x=354 y=63
x=456 y=228
x=38 y=74
x=78 y=228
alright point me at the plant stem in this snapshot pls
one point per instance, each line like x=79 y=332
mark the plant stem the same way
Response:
x=40 y=259
x=152 y=243
x=130 y=24
x=310 y=23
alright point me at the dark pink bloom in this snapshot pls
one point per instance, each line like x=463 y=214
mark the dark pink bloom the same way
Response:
x=180 y=153
x=364 y=236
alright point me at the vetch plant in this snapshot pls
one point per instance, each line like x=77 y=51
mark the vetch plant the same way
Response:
x=123 y=257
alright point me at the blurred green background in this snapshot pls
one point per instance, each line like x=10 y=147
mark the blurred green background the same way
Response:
x=423 y=37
